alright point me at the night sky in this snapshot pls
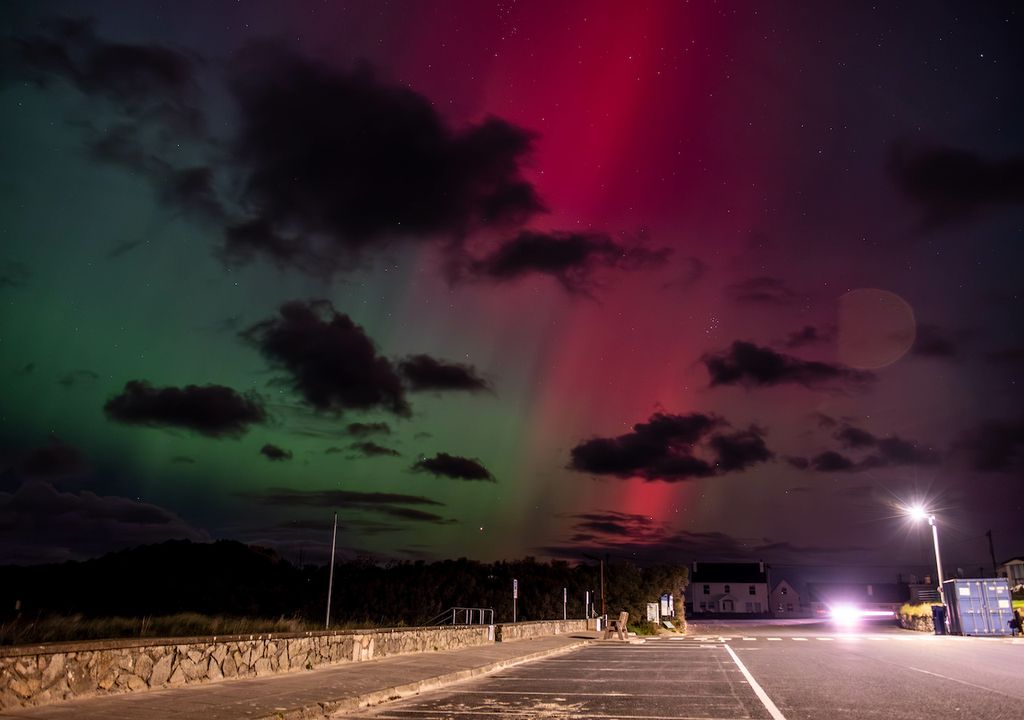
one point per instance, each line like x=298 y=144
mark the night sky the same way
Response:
x=659 y=280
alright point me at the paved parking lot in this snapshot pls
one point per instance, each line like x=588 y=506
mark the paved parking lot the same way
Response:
x=670 y=679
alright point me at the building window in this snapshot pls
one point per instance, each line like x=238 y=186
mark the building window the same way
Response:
x=751 y=590
x=750 y=607
x=757 y=607
x=728 y=589
x=707 y=589
x=784 y=591
x=703 y=605
x=789 y=607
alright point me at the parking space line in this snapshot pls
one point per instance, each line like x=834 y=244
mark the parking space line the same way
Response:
x=758 y=690
x=503 y=713
x=774 y=639
x=799 y=639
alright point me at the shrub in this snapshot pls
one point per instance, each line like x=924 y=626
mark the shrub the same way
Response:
x=919 y=610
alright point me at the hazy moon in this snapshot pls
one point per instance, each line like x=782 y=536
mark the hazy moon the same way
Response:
x=876 y=328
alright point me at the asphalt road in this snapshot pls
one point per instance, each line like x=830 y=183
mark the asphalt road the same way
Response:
x=786 y=670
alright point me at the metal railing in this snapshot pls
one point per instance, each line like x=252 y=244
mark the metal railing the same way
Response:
x=464 y=616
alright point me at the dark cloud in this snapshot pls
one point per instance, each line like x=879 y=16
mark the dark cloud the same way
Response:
x=78 y=377
x=337 y=161
x=995 y=445
x=739 y=450
x=423 y=372
x=189 y=189
x=334 y=498
x=414 y=515
x=883 y=452
x=763 y=291
x=800 y=463
x=139 y=80
x=183 y=459
x=372 y=449
x=824 y=421
x=571 y=258
x=453 y=466
x=809 y=335
x=394 y=505
x=951 y=185
x=274 y=453
x=123 y=248
x=645 y=541
x=331 y=361
x=931 y=341
x=57 y=459
x=38 y=523
x=895 y=450
x=333 y=450
x=750 y=365
x=831 y=461
x=211 y=410
x=672 y=448
x=367 y=429
x=852 y=437
x=639 y=528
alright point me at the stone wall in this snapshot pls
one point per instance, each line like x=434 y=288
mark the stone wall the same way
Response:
x=523 y=630
x=43 y=674
x=916 y=622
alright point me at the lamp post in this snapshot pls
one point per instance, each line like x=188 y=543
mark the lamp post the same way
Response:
x=917 y=512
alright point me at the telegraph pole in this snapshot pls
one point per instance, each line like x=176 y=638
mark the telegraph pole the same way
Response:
x=330 y=581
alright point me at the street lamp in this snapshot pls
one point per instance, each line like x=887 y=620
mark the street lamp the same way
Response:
x=918 y=512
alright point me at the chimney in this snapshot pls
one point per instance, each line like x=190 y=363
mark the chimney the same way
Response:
x=695 y=566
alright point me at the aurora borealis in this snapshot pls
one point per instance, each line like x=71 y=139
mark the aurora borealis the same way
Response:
x=660 y=280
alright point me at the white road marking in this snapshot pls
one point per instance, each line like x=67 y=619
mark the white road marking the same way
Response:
x=962 y=682
x=761 y=694
x=750 y=638
x=774 y=639
x=800 y=639
x=828 y=639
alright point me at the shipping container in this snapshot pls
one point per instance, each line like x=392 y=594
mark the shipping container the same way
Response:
x=978 y=606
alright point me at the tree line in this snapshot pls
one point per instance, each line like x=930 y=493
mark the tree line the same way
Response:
x=229 y=578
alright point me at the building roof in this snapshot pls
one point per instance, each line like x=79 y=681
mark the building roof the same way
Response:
x=889 y=593
x=788 y=584
x=728 y=572
x=1013 y=559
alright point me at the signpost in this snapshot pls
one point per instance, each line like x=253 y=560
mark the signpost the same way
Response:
x=565 y=603
x=515 y=597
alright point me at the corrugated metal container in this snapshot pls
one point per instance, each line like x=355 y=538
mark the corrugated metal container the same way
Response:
x=979 y=606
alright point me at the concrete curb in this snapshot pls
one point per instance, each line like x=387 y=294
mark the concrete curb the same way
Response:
x=331 y=708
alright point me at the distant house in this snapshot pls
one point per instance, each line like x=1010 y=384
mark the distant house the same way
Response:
x=785 y=601
x=865 y=596
x=1013 y=570
x=740 y=588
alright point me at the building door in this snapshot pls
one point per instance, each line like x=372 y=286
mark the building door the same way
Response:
x=727 y=606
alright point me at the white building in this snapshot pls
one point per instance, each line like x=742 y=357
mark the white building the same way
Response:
x=731 y=588
x=785 y=601
x=1013 y=570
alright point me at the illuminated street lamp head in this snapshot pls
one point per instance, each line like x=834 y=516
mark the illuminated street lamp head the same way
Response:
x=917 y=512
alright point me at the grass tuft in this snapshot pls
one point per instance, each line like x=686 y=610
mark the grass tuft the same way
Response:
x=68 y=628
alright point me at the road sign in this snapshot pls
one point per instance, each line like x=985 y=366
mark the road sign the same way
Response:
x=515 y=589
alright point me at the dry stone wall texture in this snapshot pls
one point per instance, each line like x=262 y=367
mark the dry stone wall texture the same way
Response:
x=40 y=675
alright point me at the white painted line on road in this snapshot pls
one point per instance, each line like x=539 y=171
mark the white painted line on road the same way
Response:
x=750 y=638
x=962 y=682
x=774 y=639
x=826 y=639
x=761 y=694
x=800 y=639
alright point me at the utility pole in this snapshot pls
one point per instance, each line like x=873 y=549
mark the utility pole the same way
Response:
x=330 y=581
x=992 y=552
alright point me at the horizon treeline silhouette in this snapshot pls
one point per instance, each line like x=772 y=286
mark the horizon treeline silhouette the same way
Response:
x=232 y=579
